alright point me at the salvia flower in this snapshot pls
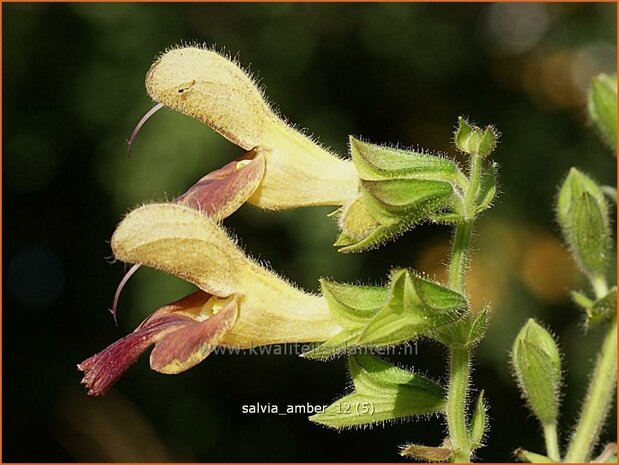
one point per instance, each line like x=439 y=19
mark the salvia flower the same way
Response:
x=214 y=90
x=240 y=303
x=381 y=192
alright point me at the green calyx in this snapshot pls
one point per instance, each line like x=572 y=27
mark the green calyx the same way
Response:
x=409 y=308
x=402 y=188
x=475 y=141
x=398 y=189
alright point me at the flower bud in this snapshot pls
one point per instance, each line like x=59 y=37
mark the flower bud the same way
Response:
x=583 y=215
x=475 y=141
x=537 y=366
x=602 y=106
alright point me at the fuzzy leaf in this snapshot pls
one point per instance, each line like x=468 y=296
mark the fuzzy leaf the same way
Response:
x=368 y=224
x=377 y=162
x=342 y=343
x=487 y=189
x=383 y=393
x=400 y=195
x=372 y=375
x=602 y=106
x=353 y=305
x=478 y=422
x=417 y=307
x=478 y=327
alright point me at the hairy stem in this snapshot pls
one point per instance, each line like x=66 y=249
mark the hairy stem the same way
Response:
x=599 y=285
x=600 y=395
x=460 y=357
x=552 y=441
x=459 y=369
x=459 y=255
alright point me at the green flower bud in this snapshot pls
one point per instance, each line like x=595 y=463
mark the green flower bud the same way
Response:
x=537 y=366
x=602 y=106
x=474 y=140
x=582 y=212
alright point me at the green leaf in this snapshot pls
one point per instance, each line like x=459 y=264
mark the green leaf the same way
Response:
x=602 y=106
x=353 y=305
x=434 y=295
x=418 y=307
x=399 y=195
x=426 y=453
x=487 y=189
x=373 y=239
x=447 y=218
x=537 y=365
x=478 y=422
x=383 y=392
x=377 y=162
x=371 y=375
x=478 y=327
x=369 y=221
x=531 y=457
x=342 y=343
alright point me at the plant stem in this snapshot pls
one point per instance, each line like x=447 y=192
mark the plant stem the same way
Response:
x=599 y=285
x=459 y=368
x=552 y=441
x=460 y=357
x=471 y=192
x=600 y=395
x=459 y=255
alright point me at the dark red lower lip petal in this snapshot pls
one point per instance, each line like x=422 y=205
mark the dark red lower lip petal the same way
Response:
x=221 y=192
x=186 y=347
x=103 y=369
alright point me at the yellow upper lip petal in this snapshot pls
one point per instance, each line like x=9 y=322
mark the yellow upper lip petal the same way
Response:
x=183 y=242
x=299 y=172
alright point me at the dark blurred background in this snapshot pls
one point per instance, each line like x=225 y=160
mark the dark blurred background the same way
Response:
x=73 y=77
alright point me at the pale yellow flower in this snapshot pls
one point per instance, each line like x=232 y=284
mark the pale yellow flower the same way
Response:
x=213 y=89
x=240 y=303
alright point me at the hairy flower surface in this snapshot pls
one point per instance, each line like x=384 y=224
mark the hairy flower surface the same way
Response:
x=241 y=304
x=213 y=89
